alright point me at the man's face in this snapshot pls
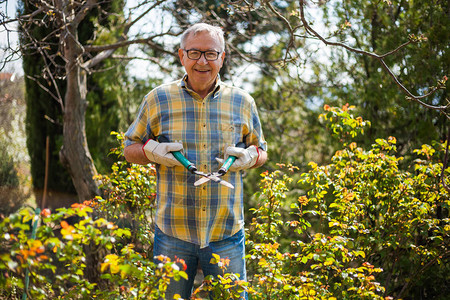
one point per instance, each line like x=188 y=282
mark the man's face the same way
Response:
x=201 y=73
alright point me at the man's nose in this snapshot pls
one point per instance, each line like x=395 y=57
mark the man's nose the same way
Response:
x=202 y=60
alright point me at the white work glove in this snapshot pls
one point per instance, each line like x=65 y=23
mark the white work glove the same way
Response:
x=245 y=158
x=160 y=153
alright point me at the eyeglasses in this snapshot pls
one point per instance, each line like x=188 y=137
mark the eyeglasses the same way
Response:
x=194 y=54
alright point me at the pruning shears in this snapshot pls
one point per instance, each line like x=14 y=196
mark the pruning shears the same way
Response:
x=192 y=168
x=223 y=170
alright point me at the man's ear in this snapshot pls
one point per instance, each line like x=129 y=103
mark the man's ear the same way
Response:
x=222 y=57
x=181 y=55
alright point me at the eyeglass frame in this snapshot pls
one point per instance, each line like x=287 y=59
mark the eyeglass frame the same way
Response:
x=202 y=53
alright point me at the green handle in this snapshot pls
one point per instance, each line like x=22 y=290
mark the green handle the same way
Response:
x=179 y=156
x=183 y=160
x=230 y=160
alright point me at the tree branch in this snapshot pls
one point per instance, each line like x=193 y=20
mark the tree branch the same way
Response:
x=107 y=50
x=29 y=16
x=151 y=59
x=290 y=29
x=380 y=58
x=132 y=22
x=120 y=44
x=44 y=88
x=82 y=13
x=44 y=55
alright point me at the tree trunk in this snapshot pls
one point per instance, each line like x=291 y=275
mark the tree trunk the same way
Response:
x=74 y=154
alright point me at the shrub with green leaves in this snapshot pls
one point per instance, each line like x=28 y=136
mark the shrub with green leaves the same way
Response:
x=55 y=260
x=399 y=218
x=69 y=239
x=129 y=198
x=365 y=227
x=360 y=227
x=12 y=192
x=225 y=286
x=315 y=265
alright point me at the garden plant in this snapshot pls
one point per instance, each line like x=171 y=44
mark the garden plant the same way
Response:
x=369 y=224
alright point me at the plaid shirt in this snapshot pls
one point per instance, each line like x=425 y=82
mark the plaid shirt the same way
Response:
x=205 y=127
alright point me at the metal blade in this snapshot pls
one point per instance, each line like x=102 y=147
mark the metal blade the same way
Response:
x=226 y=183
x=201 y=181
x=214 y=178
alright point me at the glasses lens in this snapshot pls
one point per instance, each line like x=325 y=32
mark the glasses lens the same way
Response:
x=211 y=55
x=194 y=54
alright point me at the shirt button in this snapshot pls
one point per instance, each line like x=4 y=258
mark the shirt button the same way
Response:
x=204 y=125
x=204 y=208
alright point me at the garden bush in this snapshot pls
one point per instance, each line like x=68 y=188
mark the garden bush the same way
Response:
x=58 y=256
x=360 y=227
x=364 y=228
x=51 y=263
x=12 y=192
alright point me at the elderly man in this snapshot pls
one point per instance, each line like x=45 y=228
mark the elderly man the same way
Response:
x=204 y=118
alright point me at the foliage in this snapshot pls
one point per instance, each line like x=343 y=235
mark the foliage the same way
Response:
x=321 y=267
x=342 y=123
x=394 y=216
x=43 y=115
x=360 y=227
x=129 y=193
x=56 y=260
x=57 y=257
x=8 y=173
x=365 y=228
x=13 y=154
x=225 y=286
x=12 y=192
x=380 y=27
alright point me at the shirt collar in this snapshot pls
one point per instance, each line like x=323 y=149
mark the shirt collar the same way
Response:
x=184 y=85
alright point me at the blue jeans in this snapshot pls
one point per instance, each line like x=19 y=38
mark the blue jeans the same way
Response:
x=232 y=248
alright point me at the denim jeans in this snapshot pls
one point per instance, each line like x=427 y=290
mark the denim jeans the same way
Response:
x=232 y=248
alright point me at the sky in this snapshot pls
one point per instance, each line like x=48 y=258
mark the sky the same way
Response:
x=10 y=35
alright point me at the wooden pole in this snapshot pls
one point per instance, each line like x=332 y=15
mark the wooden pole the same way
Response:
x=47 y=158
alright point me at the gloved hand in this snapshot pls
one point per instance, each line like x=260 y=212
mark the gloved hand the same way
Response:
x=245 y=158
x=160 y=153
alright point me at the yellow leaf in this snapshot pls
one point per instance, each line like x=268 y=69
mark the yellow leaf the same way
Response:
x=328 y=262
x=103 y=267
x=114 y=268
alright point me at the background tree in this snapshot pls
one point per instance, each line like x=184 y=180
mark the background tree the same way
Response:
x=361 y=80
x=373 y=60
x=71 y=55
x=14 y=159
x=44 y=118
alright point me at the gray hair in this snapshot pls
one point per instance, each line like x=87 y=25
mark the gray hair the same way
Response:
x=203 y=27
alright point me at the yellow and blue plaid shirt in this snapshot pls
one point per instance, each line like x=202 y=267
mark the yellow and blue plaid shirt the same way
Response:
x=205 y=127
